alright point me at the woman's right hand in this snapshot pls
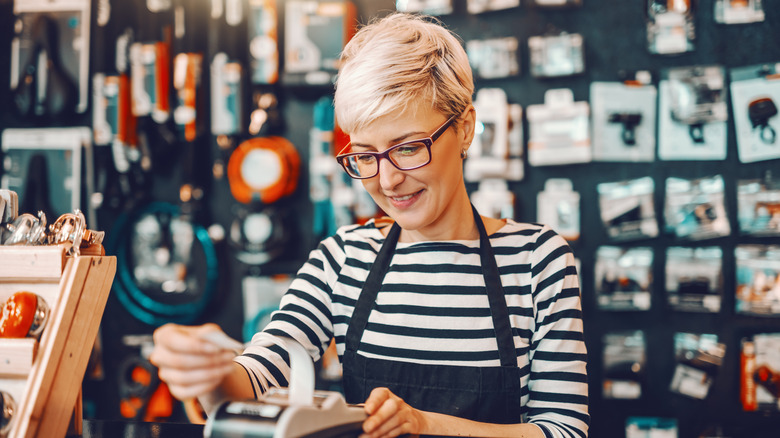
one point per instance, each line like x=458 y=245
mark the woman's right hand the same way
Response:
x=189 y=364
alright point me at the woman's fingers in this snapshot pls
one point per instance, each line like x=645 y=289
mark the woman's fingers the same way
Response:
x=162 y=357
x=190 y=365
x=185 y=339
x=389 y=415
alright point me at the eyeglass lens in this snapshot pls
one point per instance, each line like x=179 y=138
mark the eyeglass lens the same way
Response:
x=404 y=157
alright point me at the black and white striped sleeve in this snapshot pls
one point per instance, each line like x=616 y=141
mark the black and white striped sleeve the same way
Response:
x=304 y=315
x=558 y=383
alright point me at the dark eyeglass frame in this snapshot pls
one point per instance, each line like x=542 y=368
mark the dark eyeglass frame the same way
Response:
x=427 y=141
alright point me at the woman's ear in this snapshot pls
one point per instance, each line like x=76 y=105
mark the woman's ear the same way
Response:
x=467 y=127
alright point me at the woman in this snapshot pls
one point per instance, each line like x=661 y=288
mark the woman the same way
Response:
x=445 y=322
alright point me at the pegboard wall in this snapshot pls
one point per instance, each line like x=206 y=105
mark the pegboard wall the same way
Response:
x=615 y=41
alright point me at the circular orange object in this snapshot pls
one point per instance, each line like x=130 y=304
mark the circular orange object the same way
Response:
x=264 y=167
x=24 y=314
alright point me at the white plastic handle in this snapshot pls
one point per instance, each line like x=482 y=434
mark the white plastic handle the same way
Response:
x=301 y=390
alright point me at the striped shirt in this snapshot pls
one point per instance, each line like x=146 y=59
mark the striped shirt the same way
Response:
x=433 y=309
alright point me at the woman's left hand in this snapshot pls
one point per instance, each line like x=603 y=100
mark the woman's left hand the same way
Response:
x=390 y=416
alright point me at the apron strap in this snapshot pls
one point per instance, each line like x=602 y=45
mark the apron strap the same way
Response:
x=496 y=298
x=367 y=299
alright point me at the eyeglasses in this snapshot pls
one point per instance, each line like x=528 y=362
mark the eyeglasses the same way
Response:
x=408 y=155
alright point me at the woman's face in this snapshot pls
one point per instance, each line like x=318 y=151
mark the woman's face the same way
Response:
x=426 y=202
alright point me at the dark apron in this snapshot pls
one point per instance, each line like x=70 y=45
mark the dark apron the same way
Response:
x=488 y=394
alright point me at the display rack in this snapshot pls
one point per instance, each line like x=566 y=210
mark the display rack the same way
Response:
x=44 y=376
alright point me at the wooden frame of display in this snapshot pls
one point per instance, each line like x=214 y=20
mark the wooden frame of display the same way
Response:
x=44 y=377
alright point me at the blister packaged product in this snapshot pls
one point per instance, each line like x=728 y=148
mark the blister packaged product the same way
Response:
x=624 y=359
x=760 y=372
x=755 y=96
x=694 y=278
x=494 y=199
x=52 y=159
x=559 y=130
x=50 y=48
x=758 y=279
x=623 y=121
x=627 y=209
x=496 y=150
x=556 y=55
x=623 y=278
x=699 y=358
x=695 y=209
x=558 y=206
x=494 y=58
x=758 y=207
x=738 y=11
x=692 y=114
x=670 y=26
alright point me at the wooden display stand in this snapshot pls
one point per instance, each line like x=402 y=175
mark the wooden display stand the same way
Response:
x=44 y=377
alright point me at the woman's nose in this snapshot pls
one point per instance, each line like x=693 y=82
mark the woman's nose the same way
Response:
x=389 y=175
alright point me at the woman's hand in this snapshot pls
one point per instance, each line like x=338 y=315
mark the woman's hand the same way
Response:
x=390 y=416
x=190 y=365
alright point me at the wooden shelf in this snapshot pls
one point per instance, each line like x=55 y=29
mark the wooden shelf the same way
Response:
x=44 y=377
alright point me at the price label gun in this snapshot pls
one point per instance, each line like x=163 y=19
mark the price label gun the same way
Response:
x=295 y=412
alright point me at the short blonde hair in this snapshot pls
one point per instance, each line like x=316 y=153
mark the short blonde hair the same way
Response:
x=399 y=62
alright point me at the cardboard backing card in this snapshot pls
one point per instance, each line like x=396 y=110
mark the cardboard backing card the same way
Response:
x=755 y=99
x=623 y=121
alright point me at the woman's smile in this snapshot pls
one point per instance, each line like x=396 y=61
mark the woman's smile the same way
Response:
x=405 y=201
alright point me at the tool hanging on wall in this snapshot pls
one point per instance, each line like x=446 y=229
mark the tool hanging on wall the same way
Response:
x=264 y=169
x=167 y=266
x=228 y=79
x=36 y=186
x=46 y=92
x=259 y=236
x=49 y=60
x=150 y=62
x=123 y=173
x=143 y=396
x=148 y=54
x=322 y=168
x=189 y=113
x=263 y=41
